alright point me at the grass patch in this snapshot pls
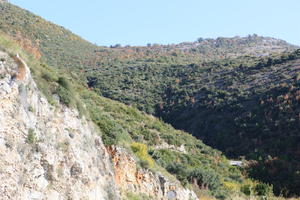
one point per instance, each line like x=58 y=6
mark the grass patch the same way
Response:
x=134 y=196
x=31 y=136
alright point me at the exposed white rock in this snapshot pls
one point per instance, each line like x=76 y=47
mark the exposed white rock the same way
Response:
x=171 y=147
x=55 y=166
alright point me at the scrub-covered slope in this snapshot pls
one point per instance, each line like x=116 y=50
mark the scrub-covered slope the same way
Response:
x=190 y=85
x=54 y=151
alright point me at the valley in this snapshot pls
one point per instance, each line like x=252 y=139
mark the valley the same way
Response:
x=172 y=115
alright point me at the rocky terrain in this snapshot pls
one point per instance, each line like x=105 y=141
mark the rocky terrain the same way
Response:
x=47 y=152
x=131 y=178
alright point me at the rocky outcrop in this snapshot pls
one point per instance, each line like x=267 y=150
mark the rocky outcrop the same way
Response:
x=130 y=178
x=47 y=152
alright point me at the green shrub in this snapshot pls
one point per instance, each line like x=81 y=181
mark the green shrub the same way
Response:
x=206 y=178
x=133 y=196
x=81 y=109
x=246 y=189
x=49 y=76
x=64 y=83
x=65 y=96
x=171 y=139
x=263 y=189
x=150 y=136
x=180 y=171
x=31 y=109
x=31 y=137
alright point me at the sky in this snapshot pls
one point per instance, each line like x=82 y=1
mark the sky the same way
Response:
x=138 y=22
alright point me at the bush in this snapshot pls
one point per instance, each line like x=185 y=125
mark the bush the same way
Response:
x=232 y=186
x=48 y=76
x=207 y=179
x=151 y=137
x=246 y=189
x=65 y=92
x=263 y=189
x=66 y=97
x=112 y=132
x=141 y=152
x=31 y=109
x=64 y=83
x=31 y=137
x=171 y=140
x=180 y=171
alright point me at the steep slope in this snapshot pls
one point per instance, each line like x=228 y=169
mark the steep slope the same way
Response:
x=47 y=152
x=44 y=38
x=252 y=112
x=52 y=151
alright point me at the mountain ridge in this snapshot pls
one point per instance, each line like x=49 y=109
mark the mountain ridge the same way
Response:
x=83 y=55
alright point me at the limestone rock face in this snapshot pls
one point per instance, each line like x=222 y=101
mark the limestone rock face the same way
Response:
x=47 y=152
x=129 y=177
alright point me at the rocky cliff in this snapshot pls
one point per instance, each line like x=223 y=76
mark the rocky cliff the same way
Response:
x=49 y=152
x=153 y=184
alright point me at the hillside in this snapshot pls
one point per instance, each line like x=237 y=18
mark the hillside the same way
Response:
x=57 y=123
x=255 y=114
x=237 y=94
x=244 y=106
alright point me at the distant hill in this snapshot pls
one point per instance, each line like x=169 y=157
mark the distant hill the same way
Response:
x=207 y=49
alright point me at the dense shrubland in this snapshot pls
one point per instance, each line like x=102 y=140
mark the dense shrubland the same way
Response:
x=245 y=106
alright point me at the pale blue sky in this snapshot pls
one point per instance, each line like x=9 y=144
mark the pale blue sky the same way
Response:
x=138 y=22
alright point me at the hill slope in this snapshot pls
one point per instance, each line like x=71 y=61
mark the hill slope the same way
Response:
x=203 y=87
x=137 y=142
x=252 y=112
x=244 y=106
